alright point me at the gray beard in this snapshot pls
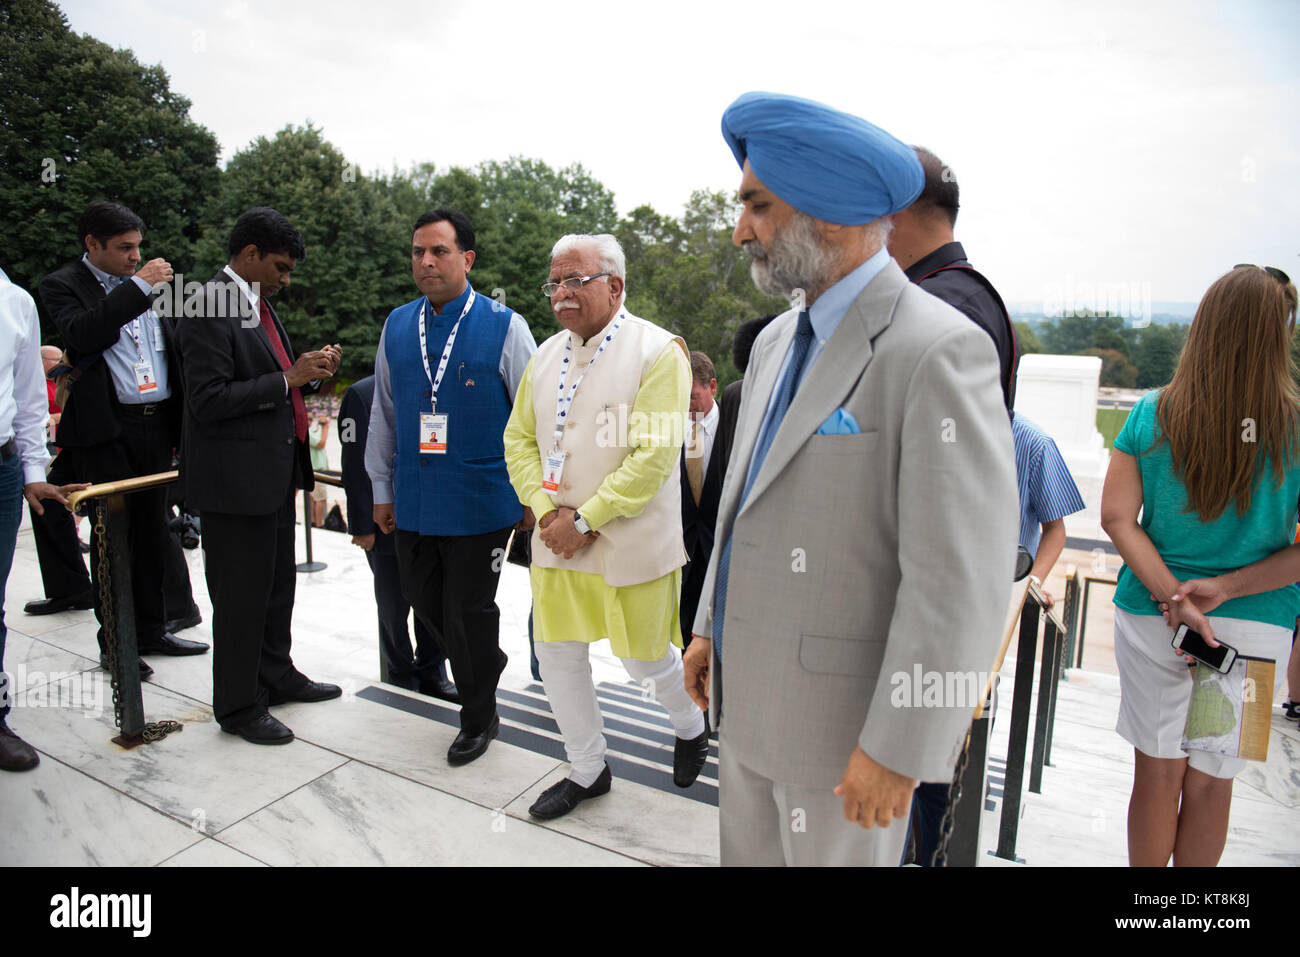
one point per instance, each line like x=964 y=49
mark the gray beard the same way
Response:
x=795 y=259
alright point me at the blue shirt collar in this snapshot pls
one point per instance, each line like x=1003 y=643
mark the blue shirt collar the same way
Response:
x=105 y=279
x=832 y=305
x=454 y=307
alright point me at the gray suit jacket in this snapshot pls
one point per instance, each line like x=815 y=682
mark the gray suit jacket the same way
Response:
x=859 y=557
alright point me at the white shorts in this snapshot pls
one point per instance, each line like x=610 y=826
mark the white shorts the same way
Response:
x=1156 y=685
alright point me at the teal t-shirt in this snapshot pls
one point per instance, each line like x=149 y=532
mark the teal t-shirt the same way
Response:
x=1195 y=549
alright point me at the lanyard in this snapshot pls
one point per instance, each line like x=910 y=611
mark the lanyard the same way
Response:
x=564 y=402
x=134 y=330
x=435 y=381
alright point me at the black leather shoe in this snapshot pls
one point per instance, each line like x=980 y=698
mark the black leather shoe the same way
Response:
x=311 y=691
x=169 y=644
x=440 y=688
x=48 y=606
x=559 y=799
x=145 y=671
x=689 y=757
x=15 y=753
x=467 y=746
x=264 y=729
x=189 y=621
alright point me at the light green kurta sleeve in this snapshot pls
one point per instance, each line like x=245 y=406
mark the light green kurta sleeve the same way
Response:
x=522 y=460
x=655 y=432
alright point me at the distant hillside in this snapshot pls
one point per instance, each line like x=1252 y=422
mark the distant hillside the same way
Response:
x=1162 y=313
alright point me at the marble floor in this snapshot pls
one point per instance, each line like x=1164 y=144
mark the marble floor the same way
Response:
x=366 y=781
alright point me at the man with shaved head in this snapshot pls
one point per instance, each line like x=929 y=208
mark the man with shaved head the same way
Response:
x=867 y=526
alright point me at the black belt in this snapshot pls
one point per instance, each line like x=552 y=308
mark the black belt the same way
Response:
x=10 y=450
x=153 y=408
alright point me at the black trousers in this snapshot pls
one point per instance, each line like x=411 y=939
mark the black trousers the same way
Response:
x=63 y=570
x=406 y=670
x=451 y=582
x=249 y=564
x=143 y=448
x=178 y=595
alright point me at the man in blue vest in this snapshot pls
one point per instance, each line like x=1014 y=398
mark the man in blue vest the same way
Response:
x=446 y=371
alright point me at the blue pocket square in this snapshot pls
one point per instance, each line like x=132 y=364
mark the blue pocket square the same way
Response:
x=839 y=422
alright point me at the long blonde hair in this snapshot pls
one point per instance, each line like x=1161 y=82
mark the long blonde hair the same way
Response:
x=1233 y=401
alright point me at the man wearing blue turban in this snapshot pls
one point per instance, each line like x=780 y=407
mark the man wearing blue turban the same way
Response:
x=867 y=528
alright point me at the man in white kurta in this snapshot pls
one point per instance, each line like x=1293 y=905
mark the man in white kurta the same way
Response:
x=592 y=447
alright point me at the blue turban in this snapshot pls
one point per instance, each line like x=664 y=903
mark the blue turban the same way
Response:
x=830 y=165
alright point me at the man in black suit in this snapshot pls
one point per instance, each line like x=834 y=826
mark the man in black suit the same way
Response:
x=425 y=671
x=701 y=485
x=122 y=417
x=243 y=454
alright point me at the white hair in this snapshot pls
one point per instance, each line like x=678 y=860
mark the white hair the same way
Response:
x=609 y=254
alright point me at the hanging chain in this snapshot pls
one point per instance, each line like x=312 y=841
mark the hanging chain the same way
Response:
x=154 y=730
x=108 y=619
x=950 y=812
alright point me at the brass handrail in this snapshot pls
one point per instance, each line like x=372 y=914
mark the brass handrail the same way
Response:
x=104 y=489
x=1010 y=629
x=120 y=487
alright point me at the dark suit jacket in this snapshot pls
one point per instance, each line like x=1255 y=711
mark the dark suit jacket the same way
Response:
x=354 y=427
x=239 y=453
x=730 y=403
x=90 y=322
x=697 y=527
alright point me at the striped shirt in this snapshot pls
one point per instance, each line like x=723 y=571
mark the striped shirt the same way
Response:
x=1047 y=490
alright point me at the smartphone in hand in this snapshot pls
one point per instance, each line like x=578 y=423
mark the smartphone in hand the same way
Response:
x=1189 y=642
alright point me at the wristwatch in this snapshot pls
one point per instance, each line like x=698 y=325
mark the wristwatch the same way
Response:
x=580 y=523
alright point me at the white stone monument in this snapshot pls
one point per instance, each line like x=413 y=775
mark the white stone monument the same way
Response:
x=1059 y=395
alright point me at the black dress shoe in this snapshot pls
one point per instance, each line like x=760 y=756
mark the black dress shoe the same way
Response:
x=468 y=746
x=48 y=606
x=15 y=753
x=169 y=644
x=440 y=688
x=559 y=799
x=689 y=757
x=311 y=691
x=264 y=729
x=145 y=671
x=189 y=621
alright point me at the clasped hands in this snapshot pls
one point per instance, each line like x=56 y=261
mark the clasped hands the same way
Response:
x=874 y=796
x=559 y=535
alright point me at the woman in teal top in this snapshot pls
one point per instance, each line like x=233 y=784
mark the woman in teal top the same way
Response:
x=1200 y=501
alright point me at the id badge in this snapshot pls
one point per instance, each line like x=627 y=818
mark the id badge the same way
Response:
x=159 y=344
x=144 y=378
x=552 y=471
x=433 y=433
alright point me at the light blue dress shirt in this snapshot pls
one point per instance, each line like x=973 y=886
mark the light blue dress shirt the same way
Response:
x=141 y=338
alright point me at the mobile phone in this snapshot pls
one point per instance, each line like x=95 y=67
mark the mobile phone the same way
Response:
x=1189 y=642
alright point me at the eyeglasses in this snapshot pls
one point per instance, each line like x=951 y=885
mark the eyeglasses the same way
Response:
x=1273 y=271
x=549 y=289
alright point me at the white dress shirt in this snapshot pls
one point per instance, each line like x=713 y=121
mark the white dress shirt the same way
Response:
x=24 y=400
x=708 y=432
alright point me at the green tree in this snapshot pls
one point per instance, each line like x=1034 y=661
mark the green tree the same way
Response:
x=80 y=121
x=357 y=267
x=687 y=276
x=1116 y=370
x=1029 y=343
x=1157 y=352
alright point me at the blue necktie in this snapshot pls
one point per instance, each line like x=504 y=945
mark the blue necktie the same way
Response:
x=767 y=432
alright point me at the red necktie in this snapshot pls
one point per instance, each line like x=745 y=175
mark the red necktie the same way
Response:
x=299 y=407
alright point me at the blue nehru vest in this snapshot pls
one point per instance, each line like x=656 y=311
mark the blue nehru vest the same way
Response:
x=466 y=491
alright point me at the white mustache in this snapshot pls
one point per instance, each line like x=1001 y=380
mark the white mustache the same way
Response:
x=755 y=250
x=564 y=304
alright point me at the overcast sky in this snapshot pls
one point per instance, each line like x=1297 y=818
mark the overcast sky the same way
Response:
x=1127 y=146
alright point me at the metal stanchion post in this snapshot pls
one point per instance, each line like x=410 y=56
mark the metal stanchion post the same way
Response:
x=308 y=565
